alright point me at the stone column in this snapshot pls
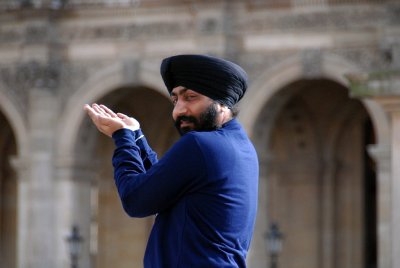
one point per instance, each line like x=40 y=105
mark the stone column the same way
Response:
x=392 y=106
x=383 y=88
x=396 y=185
x=73 y=199
x=258 y=254
x=388 y=159
x=381 y=153
x=327 y=218
x=21 y=167
x=35 y=172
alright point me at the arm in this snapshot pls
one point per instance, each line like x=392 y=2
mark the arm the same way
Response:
x=148 y=156
x=109 y=122
x=145 y=193
x=143 y=190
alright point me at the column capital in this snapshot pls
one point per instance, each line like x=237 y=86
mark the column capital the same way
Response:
x=383 y=87
x=21 y=166
x=382 y=154
x=76 y=168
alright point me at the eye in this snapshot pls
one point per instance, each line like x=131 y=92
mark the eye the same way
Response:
x=190 y=97
x=174 y=100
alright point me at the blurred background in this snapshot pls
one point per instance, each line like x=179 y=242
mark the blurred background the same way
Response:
x=322 y=108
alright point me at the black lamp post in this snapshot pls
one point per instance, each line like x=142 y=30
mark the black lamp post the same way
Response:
x=75 y=243
x=273 y=239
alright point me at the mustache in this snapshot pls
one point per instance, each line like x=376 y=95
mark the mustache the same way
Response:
x=181 y=118
x=185 y=118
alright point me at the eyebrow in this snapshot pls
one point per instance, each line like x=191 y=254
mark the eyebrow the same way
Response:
x=180 y=92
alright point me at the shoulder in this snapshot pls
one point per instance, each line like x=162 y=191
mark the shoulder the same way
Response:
x=199 y=138
x=189 y=141
x=200 y=142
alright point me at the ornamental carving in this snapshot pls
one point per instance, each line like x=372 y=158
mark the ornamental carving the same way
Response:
x=126 y=32
x=336 y=19
x=34 y=34
x=367 y=58
x=31 y=75
x=312 y=63
x=19 y=78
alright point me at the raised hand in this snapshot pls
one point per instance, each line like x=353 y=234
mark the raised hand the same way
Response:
x=107 y=121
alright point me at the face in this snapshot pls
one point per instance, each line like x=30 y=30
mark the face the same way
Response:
x=193 y=111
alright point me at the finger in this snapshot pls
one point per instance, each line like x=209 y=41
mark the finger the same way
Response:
x=122 y=116
x=99 y=110
x=108 y=111
x=92 y=114
x=89 y=109
x=98 y=114
x=104 y=112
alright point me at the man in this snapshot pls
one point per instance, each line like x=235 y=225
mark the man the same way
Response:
x=204 y=189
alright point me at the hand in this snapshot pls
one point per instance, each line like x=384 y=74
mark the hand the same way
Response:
x=107 y=121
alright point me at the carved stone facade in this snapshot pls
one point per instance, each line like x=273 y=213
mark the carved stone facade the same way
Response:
x=322 y=110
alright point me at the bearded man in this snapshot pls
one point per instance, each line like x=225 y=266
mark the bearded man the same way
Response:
x=204 y=190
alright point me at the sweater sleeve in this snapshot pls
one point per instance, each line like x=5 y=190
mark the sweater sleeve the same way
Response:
x=149 y=157
x=145 y=192
x=126 y=136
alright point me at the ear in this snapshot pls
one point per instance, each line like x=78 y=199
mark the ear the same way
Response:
x=224 y=108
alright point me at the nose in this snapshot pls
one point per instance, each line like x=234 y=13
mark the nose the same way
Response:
x=179 y=109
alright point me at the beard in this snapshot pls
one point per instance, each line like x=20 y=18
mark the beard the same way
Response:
x=207 y=121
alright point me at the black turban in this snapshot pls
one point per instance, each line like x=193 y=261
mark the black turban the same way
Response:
x=218 y=79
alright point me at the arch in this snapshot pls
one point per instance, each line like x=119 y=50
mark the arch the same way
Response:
x=268 y=94
x=12 y=144
x=15 y=118
x=380 y=121
x=274 y=79
x=98 y=85
x=265 y=87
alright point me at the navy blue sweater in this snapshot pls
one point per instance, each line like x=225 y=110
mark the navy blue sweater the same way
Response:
x=203 y=191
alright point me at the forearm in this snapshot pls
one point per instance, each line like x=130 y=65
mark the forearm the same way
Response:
x=131 y=160
x=148 y=156
x=147 y=192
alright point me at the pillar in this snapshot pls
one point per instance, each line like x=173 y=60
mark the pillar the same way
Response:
x=381 y=153
x=73 y=191
x=387 y=156
x=36 y=217
x=258 y=254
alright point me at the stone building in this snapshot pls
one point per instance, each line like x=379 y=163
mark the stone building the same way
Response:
x=323 y=109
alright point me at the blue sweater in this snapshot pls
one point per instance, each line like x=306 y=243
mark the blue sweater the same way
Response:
x=203 y=191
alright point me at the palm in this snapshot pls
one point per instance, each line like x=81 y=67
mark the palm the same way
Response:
x=128 y=121
x=108 y=122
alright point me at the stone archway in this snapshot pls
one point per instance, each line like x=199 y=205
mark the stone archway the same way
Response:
x=314 y=161
x=260 y=109
x=120 y=240
x=13 y=148
x=75 y=169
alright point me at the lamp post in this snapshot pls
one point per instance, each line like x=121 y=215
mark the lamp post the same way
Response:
x=74 y=243
x=273 y=239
